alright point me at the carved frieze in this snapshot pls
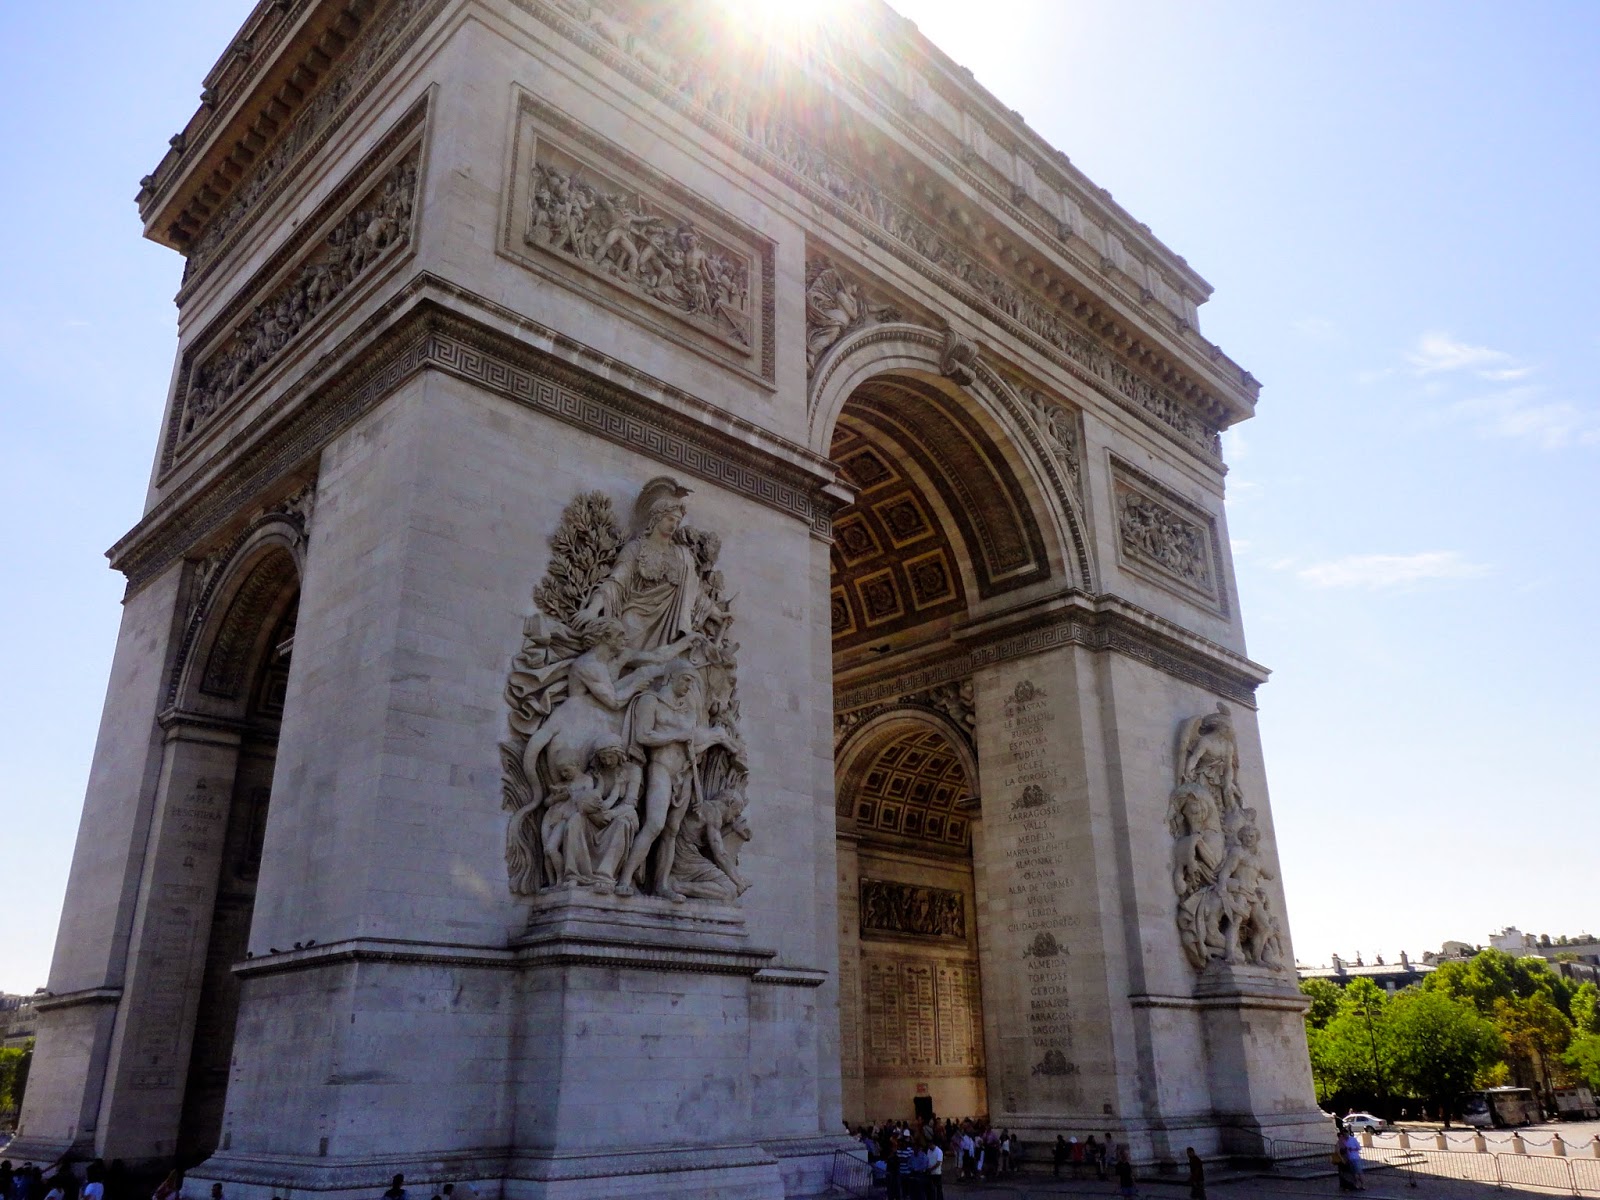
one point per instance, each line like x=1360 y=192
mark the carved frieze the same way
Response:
x=1225 y=909
x=383 y=37
x=624 y=769
x=1159 y=532
x=905 y=908
x=592 y=214
x=836 y=305
x=369 y=233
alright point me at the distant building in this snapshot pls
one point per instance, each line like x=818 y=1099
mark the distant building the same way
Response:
x=17 y=1019
x=1391 y=977
x=1576 y=958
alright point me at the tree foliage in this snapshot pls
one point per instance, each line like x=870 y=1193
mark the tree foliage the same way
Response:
x=14 y=1064
x=1582 y=1058
x=1324 y=996
x=1438 y=1046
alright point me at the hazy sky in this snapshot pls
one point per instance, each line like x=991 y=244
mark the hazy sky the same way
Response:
x=1395 y=203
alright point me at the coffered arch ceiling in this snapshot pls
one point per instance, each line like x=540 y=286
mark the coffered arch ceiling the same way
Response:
x=911 y=783
x=939 y=521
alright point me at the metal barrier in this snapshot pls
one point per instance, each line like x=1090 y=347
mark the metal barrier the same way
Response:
x=1553 y=1173
x=851 y=1174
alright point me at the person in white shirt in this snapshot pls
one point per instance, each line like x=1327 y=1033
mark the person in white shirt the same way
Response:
x=935 y=1172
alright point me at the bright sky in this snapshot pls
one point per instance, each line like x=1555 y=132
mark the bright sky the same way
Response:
x=1395 y=204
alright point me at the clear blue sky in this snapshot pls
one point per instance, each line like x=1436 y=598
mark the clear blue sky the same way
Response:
x=1395 y=203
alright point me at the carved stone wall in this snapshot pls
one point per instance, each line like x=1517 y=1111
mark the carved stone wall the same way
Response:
x=591 y=215
x=624 y=769
x=903 y=908
x=1165 y=538
x=367 y=233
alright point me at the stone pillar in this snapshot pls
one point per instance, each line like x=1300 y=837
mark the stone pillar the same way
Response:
x=850 y=1052
x=85 y=993
x=167 y=950
x=1558 y=1145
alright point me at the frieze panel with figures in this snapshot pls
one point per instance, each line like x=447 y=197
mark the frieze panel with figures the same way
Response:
x=905 y=908
x=373 y=231
x=1168 y=539
x=591 y=214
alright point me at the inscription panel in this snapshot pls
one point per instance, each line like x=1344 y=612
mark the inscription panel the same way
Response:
x=1033 y=887
x=924 y=1013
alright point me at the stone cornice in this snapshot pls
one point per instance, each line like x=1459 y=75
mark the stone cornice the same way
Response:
x=1072 y=618
x=432 y=325
x=95 y=995
x=1193 y=363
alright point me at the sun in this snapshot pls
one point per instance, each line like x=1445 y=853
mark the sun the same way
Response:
x=777 y=17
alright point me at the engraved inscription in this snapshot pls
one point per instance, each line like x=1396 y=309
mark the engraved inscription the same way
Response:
x=922 y=1012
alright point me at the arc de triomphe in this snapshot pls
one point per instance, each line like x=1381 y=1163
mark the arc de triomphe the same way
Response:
x=684 y=597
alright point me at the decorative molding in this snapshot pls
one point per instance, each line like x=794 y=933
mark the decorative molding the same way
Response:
x=792 y=155
x=1167 y=538
x=415 y=332
x=50 y=1002
x=1219 y=672
x=376 y=229
x=587 y=213
x=293 y=512
x=888 y=906
x=953 y=701
x=384 y=37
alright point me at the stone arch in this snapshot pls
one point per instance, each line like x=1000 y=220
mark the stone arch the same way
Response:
x=243 y=592
x=863 y=748
x=917 y=352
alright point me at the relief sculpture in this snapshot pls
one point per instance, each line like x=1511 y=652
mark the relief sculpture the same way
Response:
x=1225 y=911
x=624 y=770
x=365 y=235
x=889 y=907
x=1153 y=532
x=618 y=234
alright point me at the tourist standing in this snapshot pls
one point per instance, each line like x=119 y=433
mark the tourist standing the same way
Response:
x=1125 y=1175
x=397 y=1189
x=1197 y=1175
x=969 y=1150
x=1058 y=1156
x=935 y=1172
x=1108 y=1155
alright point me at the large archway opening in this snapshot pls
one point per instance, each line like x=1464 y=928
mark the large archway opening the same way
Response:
x=939 y=529
x=238 y=679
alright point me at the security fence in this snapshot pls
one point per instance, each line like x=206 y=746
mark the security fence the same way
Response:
x=1533 y=1162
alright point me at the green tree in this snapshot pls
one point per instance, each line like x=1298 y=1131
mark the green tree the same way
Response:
x=1536 y=1034
x=1351 y=1056
x=1438 y=1046
x=1493 y=975
x=1582 y=1058
x=1324 y=996
x=1585 y=1008
x=14 y=1064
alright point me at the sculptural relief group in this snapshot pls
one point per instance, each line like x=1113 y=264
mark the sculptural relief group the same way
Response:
x=1225 y=910
x=625 y=771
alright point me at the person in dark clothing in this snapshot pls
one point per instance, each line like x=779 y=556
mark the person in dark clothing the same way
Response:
x=1197 y=1176
x=1125 y=1175
x=1058 y=1156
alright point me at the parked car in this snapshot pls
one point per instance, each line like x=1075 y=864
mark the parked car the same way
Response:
x=1360 y=1121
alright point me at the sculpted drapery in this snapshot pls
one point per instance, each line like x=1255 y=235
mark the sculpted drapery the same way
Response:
x=624 y=770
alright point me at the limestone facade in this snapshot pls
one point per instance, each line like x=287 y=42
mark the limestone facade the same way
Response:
x=911 y=686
